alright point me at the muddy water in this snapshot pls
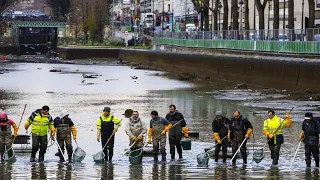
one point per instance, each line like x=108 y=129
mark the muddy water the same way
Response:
x=34 y=85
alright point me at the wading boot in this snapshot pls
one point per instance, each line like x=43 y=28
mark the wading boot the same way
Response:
x=163 y=159
x=275 y=162
x=180 y=156
x=172 y=157
x=245 y=161
x=41 y=158
x=155 y=158
x=224 y=160
x=32 y=160
x=216 y=159
x=70 y=156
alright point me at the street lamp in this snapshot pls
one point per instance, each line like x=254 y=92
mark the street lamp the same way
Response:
x=219 y=7
x=302 y=20
x=241 y=3
x=284 y=16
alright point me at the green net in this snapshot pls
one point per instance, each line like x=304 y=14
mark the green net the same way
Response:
x=135 y=156
x=258 y=155
x=78 y=155
x=9 y=155
x=203 y=159
x=99 y=157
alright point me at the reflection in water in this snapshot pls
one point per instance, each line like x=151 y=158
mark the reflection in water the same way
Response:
x=64 y=171
x=312 y=174
x=5 y=171
x=135 y=171
x=175 y=172
x=155 y=171
x=273 y=173
x=107 y=171
x=38 y=171
x=220 y=173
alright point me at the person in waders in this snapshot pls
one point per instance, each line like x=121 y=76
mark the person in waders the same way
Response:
x=6 y=133
x=158 y=129
x=64 y=127
x=41 y=122
x=310 y=136
x=220 y=127
x=240 y=128
x=107 y=124
x=273 y=130
x=176 y=133
x=136 y=129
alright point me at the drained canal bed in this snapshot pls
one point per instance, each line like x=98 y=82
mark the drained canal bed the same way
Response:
x=121 y=88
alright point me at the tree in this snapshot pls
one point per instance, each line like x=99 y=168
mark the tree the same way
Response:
x=260 y=8
x=100 y=19
x=246 y=19
x=311 y=20
x=276 y=19
x=235 y=14
x=215 y=15
x=75 y=18
x=291 y=20
x=225 y=18
x=60 y=8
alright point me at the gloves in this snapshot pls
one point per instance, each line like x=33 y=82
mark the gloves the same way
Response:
x=139 y=138
x=301 y=136
x=115 y=129
x=74 y=137
x=15 y=134
x=217 y=137
x=166 y=129
x=98 y=135
x=185 y=131
x=15 y=130
x=270 y=136
x=52 y=136
x=26 y=126
x=132 y=138
x=249 y=132
x=229 y=139
x=53 y=132
x=150 y=133
x=288 y=120
x=149 y=140
x=74 y=132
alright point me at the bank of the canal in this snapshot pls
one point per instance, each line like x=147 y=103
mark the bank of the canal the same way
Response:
x=290 y=73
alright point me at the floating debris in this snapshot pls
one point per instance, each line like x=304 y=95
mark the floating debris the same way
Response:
x=49 y=92
x=39 y=68
x=90 y=76
x=55 y=70
x=134 y=77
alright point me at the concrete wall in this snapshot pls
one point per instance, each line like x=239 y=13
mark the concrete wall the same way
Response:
x=87 y=53
x=270 y=73
x=9 y=50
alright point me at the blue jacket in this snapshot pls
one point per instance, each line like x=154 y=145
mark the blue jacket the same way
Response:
x=311 y=132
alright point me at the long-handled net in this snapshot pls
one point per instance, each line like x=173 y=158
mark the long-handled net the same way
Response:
x=258 y=155
x=9 y=154
x=78 y=154
x=203 y=159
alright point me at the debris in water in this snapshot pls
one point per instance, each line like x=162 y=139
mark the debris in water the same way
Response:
x=90 y=76
x=241 y=86
x=83 y=81
x=55 y=70
x=39 y=68
x=49 y=92
x=134 y=77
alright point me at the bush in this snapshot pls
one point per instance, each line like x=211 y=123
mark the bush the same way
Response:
x=117 y=43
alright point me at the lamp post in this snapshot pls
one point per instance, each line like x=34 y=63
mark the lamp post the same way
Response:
x=219 y=8
x=302 y=20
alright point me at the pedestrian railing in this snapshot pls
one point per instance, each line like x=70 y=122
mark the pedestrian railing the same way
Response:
x=305 y=47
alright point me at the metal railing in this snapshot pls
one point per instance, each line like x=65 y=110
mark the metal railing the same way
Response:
x=257 y=35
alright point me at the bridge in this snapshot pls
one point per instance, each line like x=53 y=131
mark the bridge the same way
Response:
x=34 y=32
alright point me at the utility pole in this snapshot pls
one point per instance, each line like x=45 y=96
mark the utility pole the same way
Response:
x=302 y=21
x=112 y=21
x=162 y=14
x=284 y=16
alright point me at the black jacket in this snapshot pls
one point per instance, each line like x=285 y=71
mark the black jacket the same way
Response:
x=176 y=131
x=311 y=132
x=241 y=124
x=221 y=126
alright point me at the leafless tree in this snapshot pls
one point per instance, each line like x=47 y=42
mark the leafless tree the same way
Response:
x=60 y=8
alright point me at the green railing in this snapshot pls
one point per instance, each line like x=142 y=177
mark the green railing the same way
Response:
x=295 y=47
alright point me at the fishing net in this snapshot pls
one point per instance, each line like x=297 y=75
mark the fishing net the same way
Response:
x=258 y=155
x=203 y=159
x=99 y=157
x=9 y=155
x=78 y=155
x=135 y=156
